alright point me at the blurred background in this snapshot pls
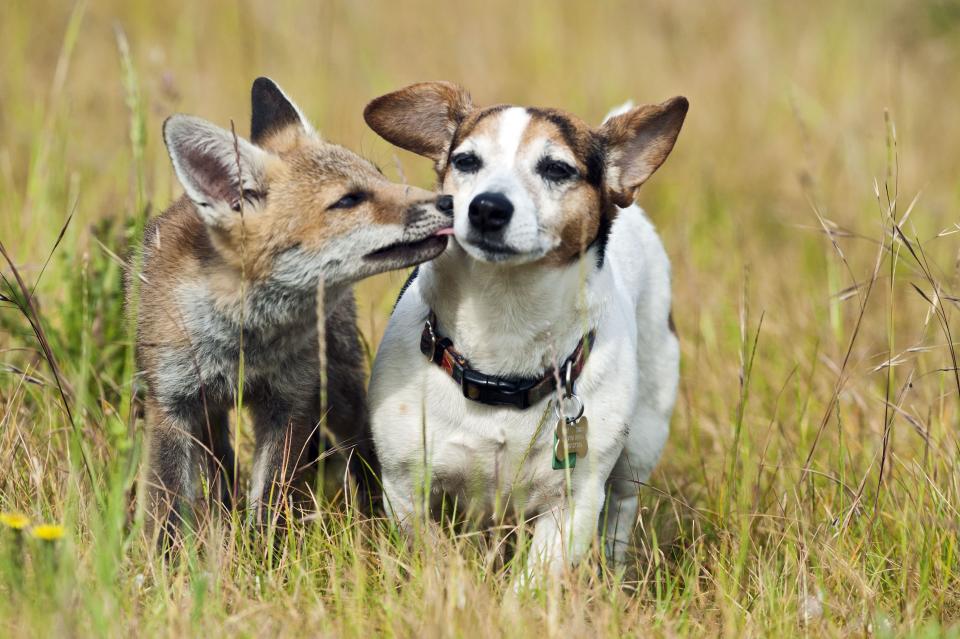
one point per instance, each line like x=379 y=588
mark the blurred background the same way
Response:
x=788 y=103
x=810 y=209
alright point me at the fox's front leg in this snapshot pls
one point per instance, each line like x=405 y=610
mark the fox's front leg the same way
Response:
x=217 y=449
x=347 y=416
x=172 y=474
x=285 y=459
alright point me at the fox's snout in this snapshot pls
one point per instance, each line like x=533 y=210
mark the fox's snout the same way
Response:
x=427 y=212
x=427 y=219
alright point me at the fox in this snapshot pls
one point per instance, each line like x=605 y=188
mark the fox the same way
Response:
x=233 y=276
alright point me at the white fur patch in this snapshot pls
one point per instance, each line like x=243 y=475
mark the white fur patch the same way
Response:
x=512 y=123
x=262 y=467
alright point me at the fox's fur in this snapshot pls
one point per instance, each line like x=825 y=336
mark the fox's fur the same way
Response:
x=549 y=246
x=236 y=265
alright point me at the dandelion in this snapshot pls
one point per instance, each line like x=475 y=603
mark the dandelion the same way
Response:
x=47 y=532
x=15 y=521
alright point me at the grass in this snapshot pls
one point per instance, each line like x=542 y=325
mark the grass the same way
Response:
x=810 y=486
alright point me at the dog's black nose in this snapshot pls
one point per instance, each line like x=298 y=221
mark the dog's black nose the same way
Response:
x=490 y=211
x=445 y=204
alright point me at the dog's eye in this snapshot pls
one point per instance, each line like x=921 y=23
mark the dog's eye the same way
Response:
x=466 y=162
x=555 y=170
x=349 y=200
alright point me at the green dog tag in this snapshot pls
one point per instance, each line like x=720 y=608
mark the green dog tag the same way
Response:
x=558 y=462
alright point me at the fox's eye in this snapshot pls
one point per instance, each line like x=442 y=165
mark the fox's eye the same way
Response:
x=466 y=162
x=250 y=196
x=555 y=170
x=349 y=200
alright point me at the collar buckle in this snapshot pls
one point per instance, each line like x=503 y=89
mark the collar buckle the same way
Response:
x=429 y=344
x=495 y=391
x=433 y=341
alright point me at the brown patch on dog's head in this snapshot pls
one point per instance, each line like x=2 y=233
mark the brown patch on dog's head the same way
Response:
x=584 y=208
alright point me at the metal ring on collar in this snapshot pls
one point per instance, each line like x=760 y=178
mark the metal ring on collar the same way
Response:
x=559 y=408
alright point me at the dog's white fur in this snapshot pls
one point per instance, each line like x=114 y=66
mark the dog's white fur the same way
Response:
x=516 y=321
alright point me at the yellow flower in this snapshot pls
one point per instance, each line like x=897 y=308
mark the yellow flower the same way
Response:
x=17 y=521
x=47 y=532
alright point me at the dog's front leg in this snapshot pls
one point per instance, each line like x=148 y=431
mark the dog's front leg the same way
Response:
x=564 y=534
x=398 y=501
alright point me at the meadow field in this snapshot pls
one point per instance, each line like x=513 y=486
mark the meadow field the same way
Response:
x=811 y=483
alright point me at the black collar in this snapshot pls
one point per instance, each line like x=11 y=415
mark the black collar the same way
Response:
x=493 y=390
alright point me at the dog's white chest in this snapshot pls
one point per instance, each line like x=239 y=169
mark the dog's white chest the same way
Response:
x=488 y=460
x=489 y=455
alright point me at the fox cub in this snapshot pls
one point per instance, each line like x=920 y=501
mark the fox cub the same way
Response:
x=235 y=266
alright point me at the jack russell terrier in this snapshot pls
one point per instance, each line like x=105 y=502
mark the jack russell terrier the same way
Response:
x=534 y=363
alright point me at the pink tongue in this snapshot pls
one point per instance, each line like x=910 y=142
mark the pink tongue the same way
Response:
x=446 y=231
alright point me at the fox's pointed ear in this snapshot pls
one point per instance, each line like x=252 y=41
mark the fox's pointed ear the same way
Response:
x=273 y=111
x=638 y=140
x=422 y=118
x=217 y=169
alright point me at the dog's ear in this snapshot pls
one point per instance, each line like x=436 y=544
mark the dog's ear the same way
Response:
x=422 y=118
x=638 y=140
x=217 y=169
x=273 y=111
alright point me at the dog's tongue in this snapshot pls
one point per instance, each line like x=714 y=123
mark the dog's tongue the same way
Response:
x=446 y=231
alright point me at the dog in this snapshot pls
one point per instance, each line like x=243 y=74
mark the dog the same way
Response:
x=231 y=276
x=534 y=362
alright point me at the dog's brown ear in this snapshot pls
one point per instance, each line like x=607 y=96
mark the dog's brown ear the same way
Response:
x=421 y=117
x=638 y=142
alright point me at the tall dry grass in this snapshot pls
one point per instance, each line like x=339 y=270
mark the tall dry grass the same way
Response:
x=810 y=485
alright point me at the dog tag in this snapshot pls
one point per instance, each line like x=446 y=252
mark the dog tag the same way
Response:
x=571 y=436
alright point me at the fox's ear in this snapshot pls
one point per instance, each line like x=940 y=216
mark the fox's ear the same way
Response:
x=273 y=111
x=422 y=118
x=217 y=169
x=638 y=140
